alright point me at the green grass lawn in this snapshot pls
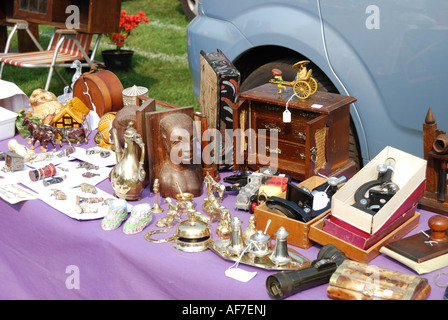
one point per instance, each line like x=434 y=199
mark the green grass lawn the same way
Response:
x=160 y=60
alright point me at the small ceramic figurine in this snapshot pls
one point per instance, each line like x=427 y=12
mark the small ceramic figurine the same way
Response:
x=103 y=137
x=88 y=188
x=44 y=103
x=21 y=150
x=85 y=208
x=116 y=214
x=59 y=195
x=13 y=161
x=89 y=174
x=277 y=73
x=23 y=128
x=53 y=180
x=139 y=219
x=80 y=200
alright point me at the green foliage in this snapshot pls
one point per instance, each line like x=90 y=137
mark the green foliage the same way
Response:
x=160 y=60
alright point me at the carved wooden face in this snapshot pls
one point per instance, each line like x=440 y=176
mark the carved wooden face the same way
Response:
x=177 y=138
x=180 y=145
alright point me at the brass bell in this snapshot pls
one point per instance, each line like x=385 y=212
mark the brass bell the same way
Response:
x=192 y=235
x=280 y=254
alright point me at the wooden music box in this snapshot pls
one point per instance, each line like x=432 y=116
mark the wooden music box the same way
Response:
x=316 y=140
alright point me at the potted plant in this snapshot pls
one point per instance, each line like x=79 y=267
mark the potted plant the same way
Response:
x=119 y=59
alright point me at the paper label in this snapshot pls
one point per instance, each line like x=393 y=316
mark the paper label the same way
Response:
x=320 y=200
x=317 y=106
x=240 y=274
x=287 y=116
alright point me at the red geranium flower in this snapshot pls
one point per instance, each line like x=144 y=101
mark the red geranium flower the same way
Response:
x=127 y=24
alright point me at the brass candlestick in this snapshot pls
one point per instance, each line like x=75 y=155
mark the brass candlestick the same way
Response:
x=156 y=208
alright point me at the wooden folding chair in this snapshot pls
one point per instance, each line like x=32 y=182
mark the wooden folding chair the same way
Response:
x=65 y=47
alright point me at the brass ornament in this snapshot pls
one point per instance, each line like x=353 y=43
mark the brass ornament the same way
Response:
x=192 y=235
x=151 y=233
x=128 y=176
x=156 y=208
x=258 y=252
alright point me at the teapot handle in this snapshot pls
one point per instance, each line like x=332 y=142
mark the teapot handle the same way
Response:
x=138 y=140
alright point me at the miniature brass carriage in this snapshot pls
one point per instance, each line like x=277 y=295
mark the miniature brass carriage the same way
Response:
x=304 y=85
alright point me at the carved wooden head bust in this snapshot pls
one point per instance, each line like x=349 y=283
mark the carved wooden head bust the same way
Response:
x=175 y=167
x=176 y=134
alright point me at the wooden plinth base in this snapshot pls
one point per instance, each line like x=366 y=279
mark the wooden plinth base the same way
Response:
x=429 y=202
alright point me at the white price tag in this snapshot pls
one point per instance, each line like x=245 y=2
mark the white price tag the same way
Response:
x=240 y=274
x=320 y=200
x=287 y=116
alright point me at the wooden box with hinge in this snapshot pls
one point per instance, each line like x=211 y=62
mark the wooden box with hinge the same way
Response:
x=315 y=141
x=359 y=281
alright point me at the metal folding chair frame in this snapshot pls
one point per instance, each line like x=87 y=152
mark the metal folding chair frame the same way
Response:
x=65 y=34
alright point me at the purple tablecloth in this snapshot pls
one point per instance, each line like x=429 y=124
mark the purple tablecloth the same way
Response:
x=44 y=254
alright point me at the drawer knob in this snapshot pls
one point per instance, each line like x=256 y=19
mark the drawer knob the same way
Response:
x=276 y=150
x=300 y=135
x=272 y=127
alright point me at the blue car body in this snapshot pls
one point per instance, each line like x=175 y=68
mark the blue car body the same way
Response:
x=390 y=55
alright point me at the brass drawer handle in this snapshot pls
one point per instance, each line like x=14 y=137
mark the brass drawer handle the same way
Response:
x=300 y=135
x=276 y=150
x=272 y=127
x=313 y=156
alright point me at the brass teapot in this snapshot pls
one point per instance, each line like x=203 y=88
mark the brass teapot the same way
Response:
x=128 y=176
